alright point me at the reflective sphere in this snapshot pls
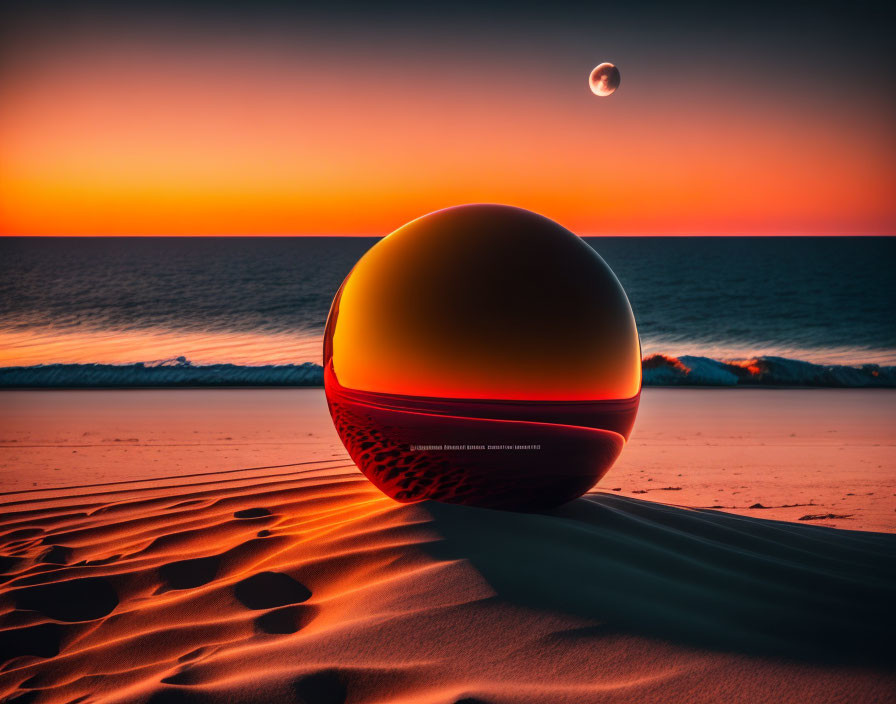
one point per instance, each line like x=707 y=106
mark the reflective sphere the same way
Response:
x=482 y=355
x=604 y=79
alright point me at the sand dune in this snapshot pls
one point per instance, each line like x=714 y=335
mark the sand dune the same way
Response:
x=304 y=584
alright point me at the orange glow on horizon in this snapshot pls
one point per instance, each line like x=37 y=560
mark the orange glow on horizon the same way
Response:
x=126 y=141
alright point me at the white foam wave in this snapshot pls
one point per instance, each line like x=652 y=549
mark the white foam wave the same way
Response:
x=659 y=370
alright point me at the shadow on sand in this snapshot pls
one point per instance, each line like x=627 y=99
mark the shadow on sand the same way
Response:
x=694 y=577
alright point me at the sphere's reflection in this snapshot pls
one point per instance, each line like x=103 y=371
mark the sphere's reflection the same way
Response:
x=483 y=355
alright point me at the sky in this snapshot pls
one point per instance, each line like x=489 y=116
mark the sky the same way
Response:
x=274 y=119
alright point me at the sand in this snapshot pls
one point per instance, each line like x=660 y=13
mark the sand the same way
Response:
x=795 y=452
x=279 y=574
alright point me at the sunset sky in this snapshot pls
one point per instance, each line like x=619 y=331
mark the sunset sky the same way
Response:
x=277 y=121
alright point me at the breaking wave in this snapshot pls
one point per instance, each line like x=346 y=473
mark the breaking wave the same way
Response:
x=659 y=370
x=168 y=374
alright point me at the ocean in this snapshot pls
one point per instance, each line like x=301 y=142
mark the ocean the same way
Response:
x=251 y=311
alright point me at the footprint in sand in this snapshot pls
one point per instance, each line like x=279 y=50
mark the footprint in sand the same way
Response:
x=268 y=590
x=285 y=620
x=43 y=640
x=252 y=513
x=189 y=574
x=324 y=687
x=56 y=555
x=71 y=600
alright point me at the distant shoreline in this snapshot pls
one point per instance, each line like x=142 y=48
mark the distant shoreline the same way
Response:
x=659 y=371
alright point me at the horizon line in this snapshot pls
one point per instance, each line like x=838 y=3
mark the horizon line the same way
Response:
x=368 y=235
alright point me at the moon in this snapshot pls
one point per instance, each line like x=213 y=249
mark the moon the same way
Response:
x=604 y=79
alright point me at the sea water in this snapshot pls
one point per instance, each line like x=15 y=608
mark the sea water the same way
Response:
x=251 y=310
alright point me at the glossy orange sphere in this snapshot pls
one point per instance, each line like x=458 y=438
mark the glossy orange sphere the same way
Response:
x=485 y=355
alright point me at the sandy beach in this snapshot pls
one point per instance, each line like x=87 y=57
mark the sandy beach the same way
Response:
x=229 y=551
x=795 y=452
